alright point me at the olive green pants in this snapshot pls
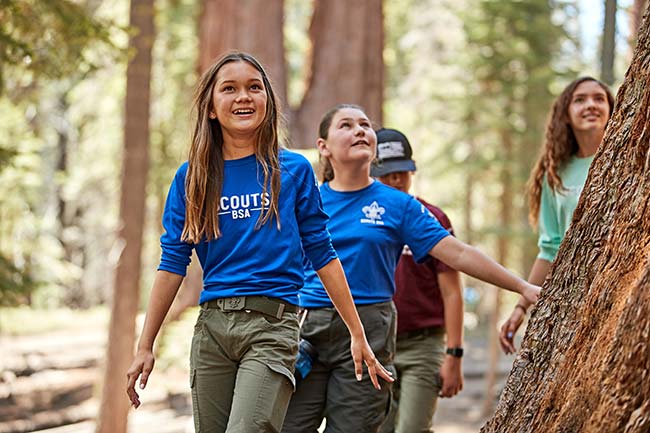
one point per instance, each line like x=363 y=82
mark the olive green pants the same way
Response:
x=241 y=370
x=331 y=390
x=418 y=361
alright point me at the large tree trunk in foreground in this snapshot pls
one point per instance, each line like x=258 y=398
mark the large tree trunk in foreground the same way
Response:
x=115 y=404
x=584 y=365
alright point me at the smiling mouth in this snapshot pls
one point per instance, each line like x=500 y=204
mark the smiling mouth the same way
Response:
x=244 y=111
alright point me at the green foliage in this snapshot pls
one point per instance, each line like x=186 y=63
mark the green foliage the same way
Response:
x=15 y=285
x=46 y=39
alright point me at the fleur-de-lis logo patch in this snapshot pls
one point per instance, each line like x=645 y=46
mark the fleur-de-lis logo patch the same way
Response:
x=373 y=214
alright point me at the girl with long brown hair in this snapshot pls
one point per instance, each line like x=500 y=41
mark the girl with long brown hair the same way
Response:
x=574 y=131
x=369 y=223
x=251 y=211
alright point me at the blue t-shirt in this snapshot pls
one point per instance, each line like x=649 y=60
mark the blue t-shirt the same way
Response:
x=369 y=229
x=246 y=261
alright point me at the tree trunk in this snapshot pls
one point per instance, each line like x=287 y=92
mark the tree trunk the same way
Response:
x=346 y=64
x=636 y=16
x=115 y=405
x=609 y=43
x=253 y=26
x=584 y=362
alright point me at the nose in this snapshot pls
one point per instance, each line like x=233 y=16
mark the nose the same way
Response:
x=243 y=95
x=358 y=130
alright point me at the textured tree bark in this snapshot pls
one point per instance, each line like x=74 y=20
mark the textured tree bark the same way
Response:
x=253 y=26
x=115 y=404
x=584 y=365
x=346 y=64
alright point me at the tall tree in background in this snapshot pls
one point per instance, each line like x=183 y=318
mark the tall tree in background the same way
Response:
x=345 y=62
x=584 y=362
x=636 y=16
x=114 y=407
x=254 y=26
x=608 y=43
x=508 y=109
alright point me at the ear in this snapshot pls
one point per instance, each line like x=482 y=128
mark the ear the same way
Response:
x=212 y=115
x=322 y=148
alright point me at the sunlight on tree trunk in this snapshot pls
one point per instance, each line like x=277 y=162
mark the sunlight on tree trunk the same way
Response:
x=346 y=64
x=253 y=26
x=584 y=362
x=114 y=407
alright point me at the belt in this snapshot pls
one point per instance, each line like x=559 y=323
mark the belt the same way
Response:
x=422 y=332
x=262 y=304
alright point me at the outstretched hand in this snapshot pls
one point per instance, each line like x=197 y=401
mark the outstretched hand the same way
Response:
x=531 y=292
x=363 y=354
x=141 y=367
x=509 y=329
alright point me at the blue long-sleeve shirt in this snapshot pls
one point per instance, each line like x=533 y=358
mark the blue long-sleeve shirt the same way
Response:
x=246 y=261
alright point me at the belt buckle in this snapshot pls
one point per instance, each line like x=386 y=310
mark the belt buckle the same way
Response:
x=234 y=303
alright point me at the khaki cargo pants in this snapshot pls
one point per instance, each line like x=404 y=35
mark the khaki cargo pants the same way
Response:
x=241 y=370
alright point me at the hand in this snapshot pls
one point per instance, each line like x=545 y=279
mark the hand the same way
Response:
x=530 y=292
x=452 y=376
x=362 y=353
x=509 y=329
x=141 y=365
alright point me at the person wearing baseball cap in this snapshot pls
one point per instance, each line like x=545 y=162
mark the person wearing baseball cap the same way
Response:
x=429 y=305
x=369 y=225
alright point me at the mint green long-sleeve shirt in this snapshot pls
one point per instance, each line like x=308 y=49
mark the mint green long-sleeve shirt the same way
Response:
x=556 y=207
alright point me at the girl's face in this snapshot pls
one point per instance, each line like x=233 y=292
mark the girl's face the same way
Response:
x=589 y=108
x=239 y=99
x=350 y=137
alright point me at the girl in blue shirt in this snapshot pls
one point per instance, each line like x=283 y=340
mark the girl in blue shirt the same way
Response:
x=250 y=210
x=369 y=223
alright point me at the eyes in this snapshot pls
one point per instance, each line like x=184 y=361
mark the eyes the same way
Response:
x=582 y=99
x=347 y=124
x=254 y=87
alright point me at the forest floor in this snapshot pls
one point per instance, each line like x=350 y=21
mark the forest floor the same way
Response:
x=49 y=381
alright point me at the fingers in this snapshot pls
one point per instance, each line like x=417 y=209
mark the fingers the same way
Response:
x=358 y=367
x=130 y=388
x=372 y=372
x=146 y=371
x=506 y=336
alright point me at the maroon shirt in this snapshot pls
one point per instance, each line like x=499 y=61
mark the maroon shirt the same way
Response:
x=417 y=296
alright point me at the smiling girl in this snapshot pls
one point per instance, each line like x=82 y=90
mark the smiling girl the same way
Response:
x=250 y=210
x=574 y=131
x=369 y=223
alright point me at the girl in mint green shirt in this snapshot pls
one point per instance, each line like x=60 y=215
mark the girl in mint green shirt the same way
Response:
x=573 y=133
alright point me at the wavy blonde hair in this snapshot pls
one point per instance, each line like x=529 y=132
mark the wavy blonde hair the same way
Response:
x=560 y=145
x=204 y=181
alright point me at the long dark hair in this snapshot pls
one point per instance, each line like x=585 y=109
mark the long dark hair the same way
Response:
x=559 y=145
x=204 y=181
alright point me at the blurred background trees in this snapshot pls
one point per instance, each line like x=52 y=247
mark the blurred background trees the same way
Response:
x=469 y=82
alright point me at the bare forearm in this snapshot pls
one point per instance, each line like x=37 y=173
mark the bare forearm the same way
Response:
x=473 y=262
x=164 y=290
x=336 y=285
x=452 y=298
x=537 y=275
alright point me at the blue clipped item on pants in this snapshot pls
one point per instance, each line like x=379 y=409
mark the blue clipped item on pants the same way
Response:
x=306 y=356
